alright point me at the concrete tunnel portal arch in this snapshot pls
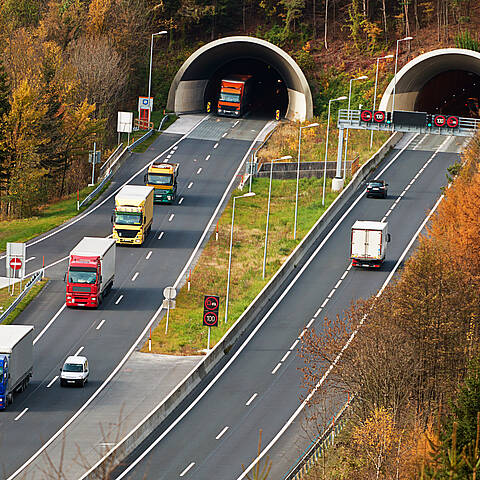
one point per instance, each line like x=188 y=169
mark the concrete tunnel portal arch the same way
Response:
x=280 y=83
x=443 y=81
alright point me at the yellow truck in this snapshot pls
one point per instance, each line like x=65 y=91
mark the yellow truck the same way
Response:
x=133 y=215
x=163 y=178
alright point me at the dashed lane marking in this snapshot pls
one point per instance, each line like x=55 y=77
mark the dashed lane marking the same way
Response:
x=119 y=299
x=251 y=399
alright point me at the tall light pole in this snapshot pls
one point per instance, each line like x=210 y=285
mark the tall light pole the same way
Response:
x=375 y=94
x=298 y=175
x=249 y=194
x=163 y=32
x=339 y=99
x=363 y=77
x=286 y=157
x=395 y=77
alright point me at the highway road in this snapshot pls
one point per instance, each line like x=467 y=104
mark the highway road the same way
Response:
x=210 y=158
x=258 y=384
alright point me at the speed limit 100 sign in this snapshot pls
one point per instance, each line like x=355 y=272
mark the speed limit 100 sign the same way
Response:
x=210 y=310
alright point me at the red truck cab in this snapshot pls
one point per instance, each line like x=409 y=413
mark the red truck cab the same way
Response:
x=83 y=281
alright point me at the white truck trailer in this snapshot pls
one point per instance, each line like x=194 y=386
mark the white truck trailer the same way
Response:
x=91 y=271
x=368 y=244
x=16 y=360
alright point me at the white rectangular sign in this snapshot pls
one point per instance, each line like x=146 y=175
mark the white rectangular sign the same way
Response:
x=16 y=256
x=125 y=122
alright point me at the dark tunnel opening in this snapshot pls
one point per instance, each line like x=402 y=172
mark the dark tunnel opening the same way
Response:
x=454 y=92
x=269 y=91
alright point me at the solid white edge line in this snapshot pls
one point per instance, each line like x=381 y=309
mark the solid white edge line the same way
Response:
x=54 y=379
x=88 y=212
x=100 y=325
x=21 y=414
x=251 y=399
x=187 y=469
x=286 y=356
x=79 y=351
x=119 y=299
x=147 y=327
x=47 y=326
x=220 y=435
x=274 y=371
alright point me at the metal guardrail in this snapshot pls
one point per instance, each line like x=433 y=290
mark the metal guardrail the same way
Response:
x=351 y=119
x=140 y=140
x=95 y=192
x=110 y=159
x=318 y=447
x=35 y=278
x=162 y=121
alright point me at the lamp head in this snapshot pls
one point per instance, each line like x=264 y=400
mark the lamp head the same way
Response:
x=406 y=38
x=388 y=56
x=340 y=98
x=363 y=77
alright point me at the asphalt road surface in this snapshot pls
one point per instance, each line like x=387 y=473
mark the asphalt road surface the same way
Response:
x=217 y=430
x=209 y=158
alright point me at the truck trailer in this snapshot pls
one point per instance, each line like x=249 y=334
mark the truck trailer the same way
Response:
x=369 y=243
x=133 y=215
x=235 y=93
x=163 y=178
x=16 y=360
x=91 y=271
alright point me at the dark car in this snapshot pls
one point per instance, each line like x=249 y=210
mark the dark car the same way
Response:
x=377 y=188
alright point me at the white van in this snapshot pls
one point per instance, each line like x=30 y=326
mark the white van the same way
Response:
x=74 y=371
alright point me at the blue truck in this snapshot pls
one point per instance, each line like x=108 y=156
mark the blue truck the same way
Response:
x=16 y=360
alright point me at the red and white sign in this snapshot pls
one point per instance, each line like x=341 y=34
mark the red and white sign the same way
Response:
x=439 y=120
x=379 y=116
x=452 y=122
x=15 y=264
x=366 y=116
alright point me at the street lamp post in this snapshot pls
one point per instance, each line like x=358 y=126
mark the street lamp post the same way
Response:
x=163 y=32
x=249 y=194
x=326 y=145
x=375 y=94
x=363 y=77
x=298 y=175
x=395 y=77
x=286 y=157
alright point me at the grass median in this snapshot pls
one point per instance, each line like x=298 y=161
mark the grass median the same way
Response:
x=186 y=334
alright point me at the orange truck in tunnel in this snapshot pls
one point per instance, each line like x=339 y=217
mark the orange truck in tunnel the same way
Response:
x=234 y=95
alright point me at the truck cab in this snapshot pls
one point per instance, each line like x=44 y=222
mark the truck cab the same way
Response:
x=3 y=381
x=83 y=281
x=234 y=98
x=163 y=178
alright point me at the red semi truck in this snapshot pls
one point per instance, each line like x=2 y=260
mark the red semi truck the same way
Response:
x=91 y=270
x=234 y=95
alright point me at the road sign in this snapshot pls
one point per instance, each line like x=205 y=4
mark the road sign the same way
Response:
x=210 y=310
x=97 y=156
x=379 y=116
x=452 y=121
x=169 y=293
x=439 y=120
x=15 y=251
x=15 y=264
x=366 y=116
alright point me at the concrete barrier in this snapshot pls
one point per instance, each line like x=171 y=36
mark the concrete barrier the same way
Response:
x=244 y=322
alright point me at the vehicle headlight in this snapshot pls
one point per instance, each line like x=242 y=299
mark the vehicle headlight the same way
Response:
x=94 y=299
x=169 y=197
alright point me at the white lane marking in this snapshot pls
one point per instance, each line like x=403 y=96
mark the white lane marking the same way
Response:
x=199 y=170
x=383 y=219
x=119 y=299
x=216 y=145
x=337 y=284
x=309 y=324
x=330 y=295
x=172 y=151
x=54 y=379
x=294 y=344
x=187 y=469
x=207 y=157
x=274 y=371
x=20 y=415
x=180 y=201
x=407 y=187
x=39 y=336
x=81 y=217
x=170 y=218
x=135 y=276
x=190 y=185
x=345 y=273
x=424 y=137
x=161 y=235
x=122 y=362
x=168 y=156
x=100 y=325
x=302 y=333
x=325 y=302
x=166 y=160
x=251 y=399
x=236 y=123
x=352 y=336
x=349 y=267
x=317 y=313
x=224 y=135
x=221 y=433
x=149 y=254
x=29 y=259
x=285 y=356
x=79 y=351
x=175 y=147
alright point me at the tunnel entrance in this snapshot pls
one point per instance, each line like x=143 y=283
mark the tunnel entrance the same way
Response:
x=279 y=82
x=268 y=93
x=454 y=92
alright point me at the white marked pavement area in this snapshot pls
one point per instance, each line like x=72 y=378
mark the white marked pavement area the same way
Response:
x=150 y=377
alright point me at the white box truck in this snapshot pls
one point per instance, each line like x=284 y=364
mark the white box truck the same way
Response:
x=91 y=271
x=16 y=360
x=369 y=243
